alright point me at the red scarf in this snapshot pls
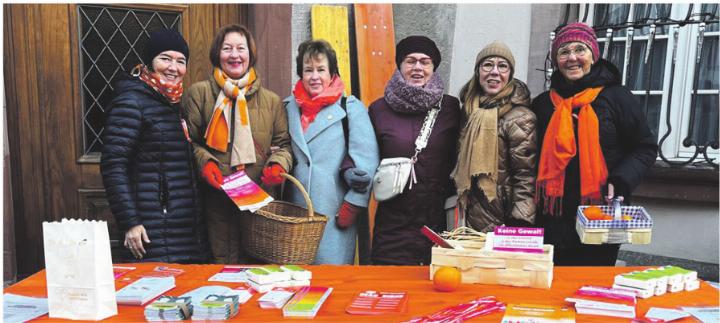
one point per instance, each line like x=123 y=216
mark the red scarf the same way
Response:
x=310 y=106
x=172 y=92
x=559 y=147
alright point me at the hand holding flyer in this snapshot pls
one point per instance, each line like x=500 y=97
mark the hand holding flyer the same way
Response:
x=244 y=192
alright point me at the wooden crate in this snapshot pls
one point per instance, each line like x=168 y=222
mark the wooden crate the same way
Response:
x=496 y=267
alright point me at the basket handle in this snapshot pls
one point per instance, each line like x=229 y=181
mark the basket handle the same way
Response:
x=306 y=196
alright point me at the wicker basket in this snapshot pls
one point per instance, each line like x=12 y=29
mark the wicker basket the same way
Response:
x=635 y=231
x=282 y=232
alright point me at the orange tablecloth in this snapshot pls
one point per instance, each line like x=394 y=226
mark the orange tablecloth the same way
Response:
x=423 y=300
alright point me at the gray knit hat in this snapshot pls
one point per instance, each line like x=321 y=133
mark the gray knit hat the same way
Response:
x=497 y=48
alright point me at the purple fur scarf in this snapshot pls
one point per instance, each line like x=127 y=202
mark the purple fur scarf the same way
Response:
x=405 y=98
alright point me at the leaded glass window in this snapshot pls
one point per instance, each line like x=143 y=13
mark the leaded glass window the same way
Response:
x=112 y=42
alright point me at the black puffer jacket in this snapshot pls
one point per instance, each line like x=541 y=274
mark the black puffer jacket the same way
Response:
x=627 y=144
x=148 y=174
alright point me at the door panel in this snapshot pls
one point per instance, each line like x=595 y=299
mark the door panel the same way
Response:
x=51 y=176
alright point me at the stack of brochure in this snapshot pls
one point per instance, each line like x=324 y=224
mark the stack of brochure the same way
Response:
x=18 y=308
x=169 y=308
x=276 y=298
x=307 y=301
x=658 y=281
x=596 y=300
x=144 y=289
x=231 y=274
x=265 y=278
x=218 y=302
x=217 y=307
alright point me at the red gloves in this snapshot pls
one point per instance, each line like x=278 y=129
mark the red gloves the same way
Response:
x=271 y=175
x=347 y=215
x=212 y=175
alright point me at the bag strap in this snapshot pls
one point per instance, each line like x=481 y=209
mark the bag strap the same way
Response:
x=424 y=136
x=346 y=132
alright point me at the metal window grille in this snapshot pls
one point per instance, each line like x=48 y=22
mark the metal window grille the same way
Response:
x=681 y=109
x=112 y=42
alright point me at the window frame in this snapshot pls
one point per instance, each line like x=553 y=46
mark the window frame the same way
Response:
x=672 y=147
x=84 y=157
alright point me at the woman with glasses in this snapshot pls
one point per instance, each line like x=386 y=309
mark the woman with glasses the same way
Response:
x=410 y=95
x=146 y=162
x=318 y=113
x=595 y=142
x=495 y=172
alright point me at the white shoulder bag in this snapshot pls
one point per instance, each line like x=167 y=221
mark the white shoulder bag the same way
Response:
x=392 y=174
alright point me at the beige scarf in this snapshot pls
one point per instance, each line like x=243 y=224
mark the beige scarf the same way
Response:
x=217 y=134
x=478 y=143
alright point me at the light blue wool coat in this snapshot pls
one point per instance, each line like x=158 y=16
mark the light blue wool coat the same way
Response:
x=319 y=153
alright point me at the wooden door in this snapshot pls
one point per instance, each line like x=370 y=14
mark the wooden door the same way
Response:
x=49 y=94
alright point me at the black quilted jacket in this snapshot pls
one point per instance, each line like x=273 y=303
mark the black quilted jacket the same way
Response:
x=147 y=171
x=627 y=144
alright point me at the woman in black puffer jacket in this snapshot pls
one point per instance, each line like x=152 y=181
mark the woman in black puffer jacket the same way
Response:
x=595 y=142
x=146 y=160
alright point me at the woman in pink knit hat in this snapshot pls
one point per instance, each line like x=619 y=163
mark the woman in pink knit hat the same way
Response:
x=595 y=144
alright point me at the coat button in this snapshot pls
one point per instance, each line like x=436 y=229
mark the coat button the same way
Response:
x=330 y=117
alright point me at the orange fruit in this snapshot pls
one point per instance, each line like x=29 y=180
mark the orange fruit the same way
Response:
x=447 y=279
x=627 y=217
x=593 y=213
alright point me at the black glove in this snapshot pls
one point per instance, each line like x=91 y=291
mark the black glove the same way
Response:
x=357 y=179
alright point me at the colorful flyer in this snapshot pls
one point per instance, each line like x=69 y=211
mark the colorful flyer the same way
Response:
x=370 y=302
x=307 y=301
x=518 y=239
x=247 y=195
x=232 y=274
x=538 y=313
x=163 y=271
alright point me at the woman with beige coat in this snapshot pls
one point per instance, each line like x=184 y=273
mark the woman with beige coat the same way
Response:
x=495 y=173
x=234 y=124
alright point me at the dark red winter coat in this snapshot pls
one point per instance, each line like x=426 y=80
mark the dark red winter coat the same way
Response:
x=397 y=238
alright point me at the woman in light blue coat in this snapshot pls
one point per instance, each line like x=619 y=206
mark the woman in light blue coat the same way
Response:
x=336 y=174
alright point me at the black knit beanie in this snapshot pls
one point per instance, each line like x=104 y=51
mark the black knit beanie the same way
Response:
x=164 y=40
x=417 y=44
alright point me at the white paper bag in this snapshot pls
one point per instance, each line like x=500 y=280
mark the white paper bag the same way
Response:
x=78 y=268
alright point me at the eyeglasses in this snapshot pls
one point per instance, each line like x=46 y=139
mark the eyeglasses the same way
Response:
x=488 y=66
x=579 y=50
x=425 y=62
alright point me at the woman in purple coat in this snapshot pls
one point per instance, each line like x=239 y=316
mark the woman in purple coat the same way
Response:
x=412 y=91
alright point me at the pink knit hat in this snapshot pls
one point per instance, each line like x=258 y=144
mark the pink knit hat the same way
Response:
x=578 y=32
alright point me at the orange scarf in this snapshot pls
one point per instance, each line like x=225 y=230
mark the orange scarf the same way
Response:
x=559 y=147
x=310 y=106
x=172 y=92
x=217 y=134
